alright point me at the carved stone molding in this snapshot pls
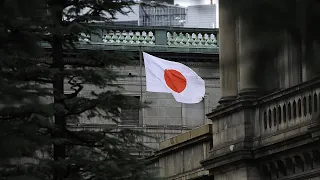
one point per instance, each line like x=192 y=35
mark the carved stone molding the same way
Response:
x=291 y=164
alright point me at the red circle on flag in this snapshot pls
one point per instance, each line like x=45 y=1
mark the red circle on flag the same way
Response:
x=175 y=80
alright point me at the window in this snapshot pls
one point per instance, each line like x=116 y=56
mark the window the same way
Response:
x=130 y=116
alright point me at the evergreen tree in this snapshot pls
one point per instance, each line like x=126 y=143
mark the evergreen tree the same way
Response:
x=35 y=142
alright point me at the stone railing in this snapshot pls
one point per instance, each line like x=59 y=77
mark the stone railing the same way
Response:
x=289 y=108
x=168 y=36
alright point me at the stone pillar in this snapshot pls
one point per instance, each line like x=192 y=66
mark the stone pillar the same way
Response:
x=248 y=65
x=309 y=62
x=228 y=53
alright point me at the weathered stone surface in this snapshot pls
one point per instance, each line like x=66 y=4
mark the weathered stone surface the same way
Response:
x=228 y=52
x=266 y=132
x=163 y=111
x=179 y=157
x=200 y=131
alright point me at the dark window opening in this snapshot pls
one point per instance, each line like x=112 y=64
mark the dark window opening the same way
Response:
x=130 y=116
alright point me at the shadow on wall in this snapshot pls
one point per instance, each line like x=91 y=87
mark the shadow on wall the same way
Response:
x=285 y=39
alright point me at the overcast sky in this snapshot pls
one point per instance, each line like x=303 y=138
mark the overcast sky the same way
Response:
x=194 y=2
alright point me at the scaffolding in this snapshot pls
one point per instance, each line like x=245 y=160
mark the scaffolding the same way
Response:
x=163 y=15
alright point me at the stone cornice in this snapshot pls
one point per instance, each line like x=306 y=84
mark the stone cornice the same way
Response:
x=146 y=48
x=283 y=145
x=174 y=144
x=264 y=152
x=193 y=174
x=221 y=162
x=303 y=175
x=188 y=62
x=232 y=108
x=190 y=135
x=177 y=147
x=167 y=127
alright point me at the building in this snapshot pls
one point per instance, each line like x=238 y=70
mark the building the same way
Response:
x=167 y=14
x=153 y=15
x=257 y=132
x=201 y=16
x=197 y=48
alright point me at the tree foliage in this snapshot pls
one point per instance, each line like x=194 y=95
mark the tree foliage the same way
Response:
x=35 y=142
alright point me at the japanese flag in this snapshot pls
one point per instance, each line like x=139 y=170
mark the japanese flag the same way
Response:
x=175 y=78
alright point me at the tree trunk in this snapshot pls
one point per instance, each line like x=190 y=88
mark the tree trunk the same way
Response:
x=59 y=152
x=58 y=89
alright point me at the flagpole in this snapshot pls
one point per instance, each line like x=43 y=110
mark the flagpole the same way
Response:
x=140 y=59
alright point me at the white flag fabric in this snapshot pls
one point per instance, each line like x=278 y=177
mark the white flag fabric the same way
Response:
x=175 y=78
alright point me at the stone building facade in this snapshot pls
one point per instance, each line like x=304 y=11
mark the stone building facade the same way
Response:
x=254 y=134
x=165 y=118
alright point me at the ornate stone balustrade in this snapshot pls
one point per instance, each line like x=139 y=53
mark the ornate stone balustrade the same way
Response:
x=257 y=129
x=150 y=39
x=173 y=38
x=134 y=35
x=192 y=39
x=289 y=108
x=118 y=36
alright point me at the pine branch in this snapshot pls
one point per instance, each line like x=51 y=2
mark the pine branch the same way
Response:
x=77 y=87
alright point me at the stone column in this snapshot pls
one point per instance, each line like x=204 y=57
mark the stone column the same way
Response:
x=248 y=65
x=309 y=62
x=228 y=53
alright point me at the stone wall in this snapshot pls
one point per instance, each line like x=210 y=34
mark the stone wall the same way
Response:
x=273 y=137
x=179 y=157
x=165 y=117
